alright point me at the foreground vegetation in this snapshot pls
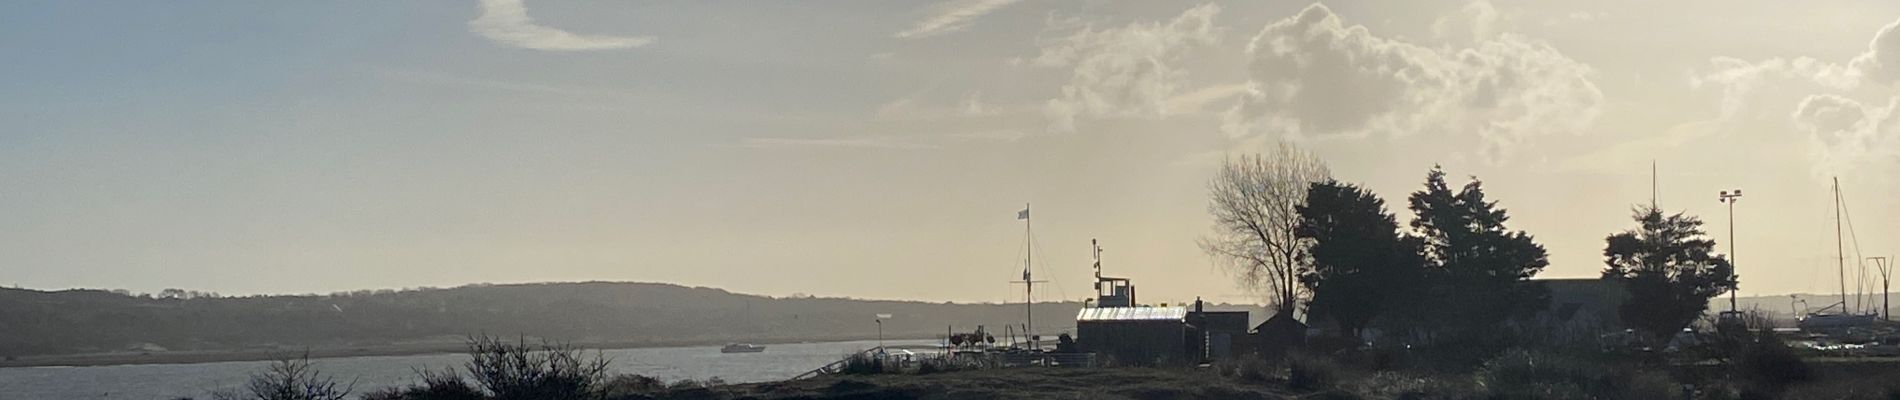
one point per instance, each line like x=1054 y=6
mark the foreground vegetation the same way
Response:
x=1760 y=368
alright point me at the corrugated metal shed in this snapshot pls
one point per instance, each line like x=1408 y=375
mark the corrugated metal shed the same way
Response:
x=1132 y=314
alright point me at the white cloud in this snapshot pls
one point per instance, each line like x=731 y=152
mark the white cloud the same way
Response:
x=1475 y=22
x=1879 y=63
x=952 y=16
x=1314 y=75
x=1740 y=79
x=1846 y=133
x=506 y=22
x=1124 y=71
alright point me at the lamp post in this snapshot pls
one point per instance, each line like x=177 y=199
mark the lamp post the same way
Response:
x=880 y=331
x=1730 y=197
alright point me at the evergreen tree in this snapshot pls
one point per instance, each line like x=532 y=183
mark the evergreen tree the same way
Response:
x=1362 y=266
x=1669 y=267
x=1477 y=266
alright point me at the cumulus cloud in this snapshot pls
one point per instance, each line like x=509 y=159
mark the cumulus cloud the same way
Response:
x=1847 y=133
x=1312 y=74
x=506 y=22
x=952 y=16
x=1130 y=70
x=1740 y=79
x=1879 y=64
x=1475 y=22
x=1844 y=132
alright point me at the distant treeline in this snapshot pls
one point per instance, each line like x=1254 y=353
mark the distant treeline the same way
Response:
x=92 y=321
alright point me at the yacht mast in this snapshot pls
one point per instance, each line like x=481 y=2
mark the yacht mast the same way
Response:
x=1840 y=247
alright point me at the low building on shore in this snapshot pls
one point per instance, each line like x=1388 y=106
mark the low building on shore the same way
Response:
x=1134 y=335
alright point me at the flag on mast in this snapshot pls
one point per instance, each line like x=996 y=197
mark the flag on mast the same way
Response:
x=1024 y=214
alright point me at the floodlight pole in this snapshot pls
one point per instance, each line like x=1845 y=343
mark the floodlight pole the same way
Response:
x=1730 y=197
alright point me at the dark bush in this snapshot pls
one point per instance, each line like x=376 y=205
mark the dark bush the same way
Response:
x=625 y=385
x=861 y=364
x=1518 y=373
x=289 y=379
x=1252 y=370
x=1309 y=372
x=446 y=385
x=517 y=371
x=1770 y=367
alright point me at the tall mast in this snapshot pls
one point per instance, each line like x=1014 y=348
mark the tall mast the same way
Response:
x=1029 y=284
x=1840 y=247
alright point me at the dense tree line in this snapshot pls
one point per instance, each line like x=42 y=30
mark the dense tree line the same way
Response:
x=1455 y=271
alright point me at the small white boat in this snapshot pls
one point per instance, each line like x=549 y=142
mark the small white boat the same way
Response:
x=742 y=348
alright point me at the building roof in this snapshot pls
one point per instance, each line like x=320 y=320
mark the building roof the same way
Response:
x=1280 y=319
x=1132 y=314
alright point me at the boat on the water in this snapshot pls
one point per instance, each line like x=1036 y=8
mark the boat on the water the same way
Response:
x=1823 y=321
x=742 y=348
x=1847 y=317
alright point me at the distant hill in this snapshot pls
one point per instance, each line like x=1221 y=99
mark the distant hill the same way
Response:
x=93 y=321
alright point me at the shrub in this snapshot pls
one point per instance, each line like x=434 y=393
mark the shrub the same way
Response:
x=1517 y=373
x=435 y=386
x=1414 y=385
x=1308 y=372
x=1770 y=367
x=1253 y=370
x=289 y=379
x=517 y=371
x=625 y=385
x=861 y=364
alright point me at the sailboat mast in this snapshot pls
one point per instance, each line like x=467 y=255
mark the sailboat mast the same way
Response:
x=1029 y=285
x=1840 y=247
x=1029 y=282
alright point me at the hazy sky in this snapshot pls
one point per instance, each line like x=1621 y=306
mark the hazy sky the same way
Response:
x=881 y=149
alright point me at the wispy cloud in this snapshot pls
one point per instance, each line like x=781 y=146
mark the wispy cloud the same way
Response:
x=506 y=22
x=856 y=142
x=952 y=16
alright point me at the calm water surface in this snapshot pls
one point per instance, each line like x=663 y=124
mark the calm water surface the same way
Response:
x=171 y=381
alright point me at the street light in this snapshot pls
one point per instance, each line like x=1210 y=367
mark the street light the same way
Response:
x=880 y=331
x=1730 y=197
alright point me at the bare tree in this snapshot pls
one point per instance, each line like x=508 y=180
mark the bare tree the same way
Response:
x=1255 y=202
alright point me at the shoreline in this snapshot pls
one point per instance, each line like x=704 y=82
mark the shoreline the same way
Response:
x=240 y=355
